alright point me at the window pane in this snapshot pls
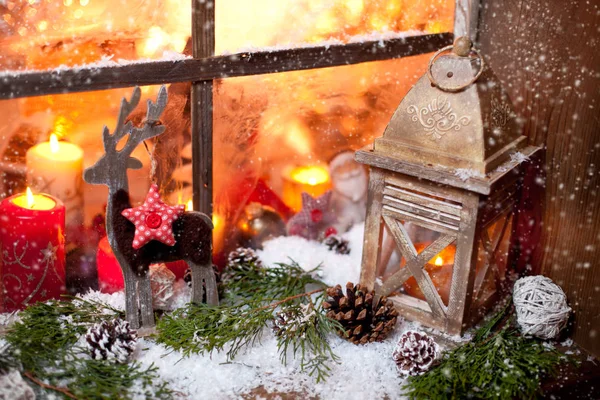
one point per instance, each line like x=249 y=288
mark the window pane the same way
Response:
x=27 y=159
x=277 y=134
x=244 y=25
x=46 y=34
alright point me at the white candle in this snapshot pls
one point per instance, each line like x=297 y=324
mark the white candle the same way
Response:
x=56 y=168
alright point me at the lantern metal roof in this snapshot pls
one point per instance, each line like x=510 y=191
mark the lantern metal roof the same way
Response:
x=456 y=116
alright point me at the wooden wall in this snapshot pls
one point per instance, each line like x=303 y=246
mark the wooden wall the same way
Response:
x=547 y=53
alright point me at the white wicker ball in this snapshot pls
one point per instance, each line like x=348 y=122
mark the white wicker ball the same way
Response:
x=541 y=306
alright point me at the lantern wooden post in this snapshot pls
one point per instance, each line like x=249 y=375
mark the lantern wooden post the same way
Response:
x=455 y=121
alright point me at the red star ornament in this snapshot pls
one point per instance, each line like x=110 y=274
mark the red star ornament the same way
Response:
x=153 y=220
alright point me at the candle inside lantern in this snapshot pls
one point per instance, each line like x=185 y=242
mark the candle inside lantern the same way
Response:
x=312 y=179
x=32 y=230
x=55 y=168
x=440 y=270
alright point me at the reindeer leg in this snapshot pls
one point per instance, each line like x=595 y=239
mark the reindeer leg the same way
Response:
x=146 y=309
x=210 y=283
x=204 y=281
x=197 y=283
x=131 y=298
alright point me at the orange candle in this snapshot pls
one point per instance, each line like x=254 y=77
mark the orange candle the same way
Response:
x=312 y=179
x=33 y=249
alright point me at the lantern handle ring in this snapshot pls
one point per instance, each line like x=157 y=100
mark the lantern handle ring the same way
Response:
x=453 y=88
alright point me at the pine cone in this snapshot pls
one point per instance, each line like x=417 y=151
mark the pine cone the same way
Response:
x=241 y=259
x=415 y=353
x=337 y=244
x=283 y=321
x=294 y=319
x=362 y=324
x=111 y=340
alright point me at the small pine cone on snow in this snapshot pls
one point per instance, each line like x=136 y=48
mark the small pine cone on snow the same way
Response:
x=354 y=311
x=243 y=258
x=337 y=244
x=415 y=353
x=111 y=340
x=294 y=319
x=283 y=321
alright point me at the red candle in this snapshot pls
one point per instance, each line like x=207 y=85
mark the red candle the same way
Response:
x=110 y=276
x=32 y=245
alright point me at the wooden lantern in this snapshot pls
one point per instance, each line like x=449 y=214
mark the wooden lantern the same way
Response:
x=444 y=182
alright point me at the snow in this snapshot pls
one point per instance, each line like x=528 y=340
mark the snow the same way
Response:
x=259 y=368
x=211 y=376
x=104 y=62
x=335 y=268
x=467 y=173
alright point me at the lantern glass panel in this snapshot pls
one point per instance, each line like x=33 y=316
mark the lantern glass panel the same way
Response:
x=435 y=272
x=47 y=34
x=492 y=258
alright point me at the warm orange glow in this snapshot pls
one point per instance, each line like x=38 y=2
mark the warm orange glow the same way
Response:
x=34 y=201
x=189 y=206
x=311 y=175
x=54 y=147
x=439 y=261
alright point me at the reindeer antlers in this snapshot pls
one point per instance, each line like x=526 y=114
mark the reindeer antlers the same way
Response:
x=148 y=130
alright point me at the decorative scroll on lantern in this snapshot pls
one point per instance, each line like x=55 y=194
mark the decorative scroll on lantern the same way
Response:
x=443 y=184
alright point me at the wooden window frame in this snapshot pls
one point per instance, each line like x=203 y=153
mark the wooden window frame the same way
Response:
x=205 y=67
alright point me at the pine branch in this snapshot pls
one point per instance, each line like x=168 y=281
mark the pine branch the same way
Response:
x=256 y=283
x=200 y=328
x=495 y=365
x=62 y=390
x=304 y=328
x=43 y=345
x=254 y=293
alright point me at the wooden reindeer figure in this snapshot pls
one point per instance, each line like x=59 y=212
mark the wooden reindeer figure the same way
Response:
x=153 y=232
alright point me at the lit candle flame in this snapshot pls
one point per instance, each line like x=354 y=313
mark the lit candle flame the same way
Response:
x=189 y=206
x=439 y=261
x=30 y=198
x=54 y=147
x=312 y=175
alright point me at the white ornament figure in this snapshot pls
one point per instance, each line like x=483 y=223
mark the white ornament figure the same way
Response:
x=349 y=197
x=541 y=306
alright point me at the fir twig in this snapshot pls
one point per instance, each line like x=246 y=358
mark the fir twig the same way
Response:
x=199 y=328
x=43 y=344
x=254 y=293
x=256 y=283
x=289 y=299
x=62 y=390
x=495 y=365
x=305 y=332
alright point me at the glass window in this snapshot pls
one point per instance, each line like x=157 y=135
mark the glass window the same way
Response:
x=46 y=34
